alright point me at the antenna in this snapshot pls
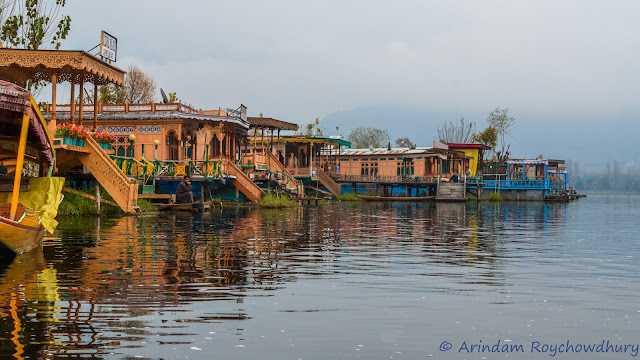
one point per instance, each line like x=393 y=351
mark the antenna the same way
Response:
x=164 y=96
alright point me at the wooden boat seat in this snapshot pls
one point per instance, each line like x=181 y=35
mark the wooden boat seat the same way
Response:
x=5 y=210
x=6 y=184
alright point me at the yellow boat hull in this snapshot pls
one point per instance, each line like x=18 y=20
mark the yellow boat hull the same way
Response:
x=23 y=236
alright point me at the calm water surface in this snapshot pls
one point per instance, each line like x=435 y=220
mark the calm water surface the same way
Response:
x=338 y=281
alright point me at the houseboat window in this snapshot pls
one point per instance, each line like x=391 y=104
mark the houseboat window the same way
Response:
x=344 y=159
x=391 y=158
x=122 y=145
x=383 y=159
x=355 y=159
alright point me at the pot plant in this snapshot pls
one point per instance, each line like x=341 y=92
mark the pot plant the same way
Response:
x=71 y=134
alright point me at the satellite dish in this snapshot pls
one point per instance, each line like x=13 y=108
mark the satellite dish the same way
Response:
x=165 y=99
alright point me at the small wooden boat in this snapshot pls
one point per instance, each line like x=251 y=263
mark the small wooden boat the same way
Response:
x=195 y=207
x=29 y=196
x=396 y=198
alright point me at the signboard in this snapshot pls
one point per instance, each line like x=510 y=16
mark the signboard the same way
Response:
x=243 y=112
x=108 y=46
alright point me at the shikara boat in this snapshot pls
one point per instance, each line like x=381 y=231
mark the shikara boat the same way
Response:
x=396 y=198
x=29 y=196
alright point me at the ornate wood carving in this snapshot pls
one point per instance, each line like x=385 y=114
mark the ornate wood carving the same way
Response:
x=76 y=65
x=112 y=178
x=242 y=182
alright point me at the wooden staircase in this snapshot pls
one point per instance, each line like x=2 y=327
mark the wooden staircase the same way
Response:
x=123 y=190
x=328 y=182
x=242 y=182
x=290 y=183
x=451 y=191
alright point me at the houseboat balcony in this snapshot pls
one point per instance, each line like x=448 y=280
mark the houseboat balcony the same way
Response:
x=300 y=171
x=144 y=168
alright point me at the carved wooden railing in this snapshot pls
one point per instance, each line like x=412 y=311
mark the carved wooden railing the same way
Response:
x=328 y=182
x=153 y=107
x=113 y=179
x=242 y=182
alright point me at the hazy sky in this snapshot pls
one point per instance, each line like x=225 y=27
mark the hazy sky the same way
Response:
x=567 y=70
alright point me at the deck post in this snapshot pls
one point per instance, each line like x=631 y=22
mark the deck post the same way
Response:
x=72 y=112
x=52 y=123
x=81 y=110
x=95 y=106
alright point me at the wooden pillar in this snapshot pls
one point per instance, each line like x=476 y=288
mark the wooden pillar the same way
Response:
x=52 y=124
x=81 y=100
x=73 y=101
x=271 y=142
x=95 y=107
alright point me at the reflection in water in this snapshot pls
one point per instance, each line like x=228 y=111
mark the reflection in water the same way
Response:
x=100 y=288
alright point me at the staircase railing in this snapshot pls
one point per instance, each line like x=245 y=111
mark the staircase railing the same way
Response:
x=328 y=182
x=110 y=176
x=242 y=182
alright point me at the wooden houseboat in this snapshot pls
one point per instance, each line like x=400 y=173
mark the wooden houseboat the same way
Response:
x=396 y=172
x=159 y=143
x=29 y=196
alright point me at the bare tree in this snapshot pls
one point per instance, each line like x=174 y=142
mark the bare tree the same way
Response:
x=500 y=120
x=456 y=133
x=139 y=87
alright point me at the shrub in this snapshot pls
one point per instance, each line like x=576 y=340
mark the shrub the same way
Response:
x=349 y=197
x=274 y=201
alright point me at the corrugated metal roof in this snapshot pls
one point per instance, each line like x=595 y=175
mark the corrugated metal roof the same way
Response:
x=381 y=151
x=147 y=115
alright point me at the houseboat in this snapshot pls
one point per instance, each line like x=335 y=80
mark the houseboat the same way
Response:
x=525 y=179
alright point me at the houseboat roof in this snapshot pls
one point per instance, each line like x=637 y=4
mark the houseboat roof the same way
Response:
x=404 y=152
x=469 y=146
x=21 y=65
x=147 y=115
x=311 y=140
x=271 y=123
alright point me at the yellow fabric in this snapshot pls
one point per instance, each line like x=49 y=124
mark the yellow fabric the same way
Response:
x=44 y=196
x=473 y=163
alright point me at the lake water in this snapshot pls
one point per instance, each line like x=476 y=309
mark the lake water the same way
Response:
x=336 y=281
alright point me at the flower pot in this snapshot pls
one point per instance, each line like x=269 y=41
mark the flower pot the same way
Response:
x=79 y=143
x=68 y=141
x=105 y=146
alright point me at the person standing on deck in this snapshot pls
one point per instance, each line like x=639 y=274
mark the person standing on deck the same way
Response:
x=467 y=173
x=184 y=195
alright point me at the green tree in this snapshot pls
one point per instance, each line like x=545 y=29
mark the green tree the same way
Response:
x=500 y=120
x=404 y=142
x=364 y=137
x=488 y=137
x=456 y=133
x=33 y=24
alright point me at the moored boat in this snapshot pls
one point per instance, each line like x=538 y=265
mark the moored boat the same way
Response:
x=29 y=196
x=395 y=198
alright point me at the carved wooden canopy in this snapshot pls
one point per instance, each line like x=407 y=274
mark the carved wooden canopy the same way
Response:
x=20 y=65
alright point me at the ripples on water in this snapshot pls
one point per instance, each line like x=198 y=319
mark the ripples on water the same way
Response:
x=366 y=280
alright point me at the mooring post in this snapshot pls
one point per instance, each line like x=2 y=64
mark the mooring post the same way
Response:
x=98 y=199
